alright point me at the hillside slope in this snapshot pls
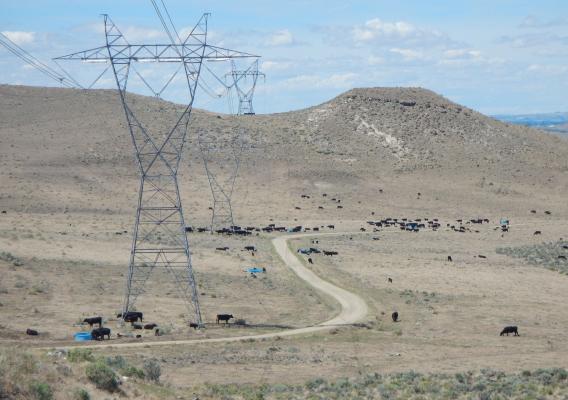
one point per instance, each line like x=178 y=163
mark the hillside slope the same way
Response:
x=70 y=148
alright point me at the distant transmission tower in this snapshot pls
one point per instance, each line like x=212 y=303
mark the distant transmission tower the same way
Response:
x=245 y=92
x=222 y=161
x=160 y=240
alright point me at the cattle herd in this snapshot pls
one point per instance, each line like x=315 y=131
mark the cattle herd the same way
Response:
x=135 y=318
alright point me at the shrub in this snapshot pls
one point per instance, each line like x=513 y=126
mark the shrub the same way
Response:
x=152 y=370
x=81 y=394
x=116 y=362
x=132 y=372
x=102 y=376
x=41 y=391
x=79 y=355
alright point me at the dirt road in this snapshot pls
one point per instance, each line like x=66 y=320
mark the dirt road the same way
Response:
x=353 y=307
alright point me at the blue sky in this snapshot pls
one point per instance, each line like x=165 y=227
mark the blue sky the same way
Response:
x=498 y=56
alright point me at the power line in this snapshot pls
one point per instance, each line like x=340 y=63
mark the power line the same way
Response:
x=34 y=62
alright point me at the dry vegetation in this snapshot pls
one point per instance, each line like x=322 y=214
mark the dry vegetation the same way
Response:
x=69 y=190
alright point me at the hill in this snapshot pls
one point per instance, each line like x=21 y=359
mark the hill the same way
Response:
x=70 y=148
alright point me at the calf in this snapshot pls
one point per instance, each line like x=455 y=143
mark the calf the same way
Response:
x=92 y=321
x=150 y=326
x=394 y=316
x=510 y=329
x=224 y=317
x=100 y=333
x=31 y=332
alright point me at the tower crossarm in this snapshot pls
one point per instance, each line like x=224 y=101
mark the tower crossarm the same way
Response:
x=156 y=53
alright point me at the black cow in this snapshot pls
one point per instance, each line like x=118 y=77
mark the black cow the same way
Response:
x=390 y=280
x=547 y=212
x=450 y=259
x=132 y=316
x=193 y=325
x=310 y=260
x=250 y=248
x=481 y=256
x=394 y=316
x=31 y=332
x=510 y=329
x=136 y=325
x=331 y=226
x=92 y=321
x=222 y=248
x=537 y=233
x=224 y=317
x=100 y=333
x=150 y=326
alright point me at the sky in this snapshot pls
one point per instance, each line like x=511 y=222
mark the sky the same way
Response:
x=495 y=56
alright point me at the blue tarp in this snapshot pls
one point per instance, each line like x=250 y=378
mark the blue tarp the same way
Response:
x=254 y=270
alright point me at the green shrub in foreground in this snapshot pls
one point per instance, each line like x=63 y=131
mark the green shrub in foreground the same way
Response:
x=152 y=370
x=41 y=391
x=79 y=355
x=81 y=394
x=102 y=376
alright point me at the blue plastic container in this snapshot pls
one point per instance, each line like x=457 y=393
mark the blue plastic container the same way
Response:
x=82 y=336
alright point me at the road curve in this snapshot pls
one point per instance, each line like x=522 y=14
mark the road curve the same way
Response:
x=353 y=307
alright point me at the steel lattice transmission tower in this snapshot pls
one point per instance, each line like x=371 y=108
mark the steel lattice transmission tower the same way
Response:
x=221 y=160
x=239 y=78
x=159 y=239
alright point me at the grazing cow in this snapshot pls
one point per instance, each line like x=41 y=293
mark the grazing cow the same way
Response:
x=150 y=326
x=297 y=208
x=310 y=260
x=100 y=333
x=131 y=316
x=390 y=280
x=510 y=329
x=450 y=259
x=320 y=208
x=224 y=317
x=339 y=206
x=537 y=233
x=31 y=332
x=250 y=248
x=547 y=212
x=193 y=325
x=331 y=226
x=92 y=321
x=362 y=229
x=330 y=253
x=533 y=211
x=222 y=248
x=481 y=256
x=136 y=325
x=394 y=316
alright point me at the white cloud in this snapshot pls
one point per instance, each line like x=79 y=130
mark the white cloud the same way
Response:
x=408 y=54
x=20 y=37
x=375 y=60
x=281 y=38
x=275 y=65
x=376 y=31
x=461 y=53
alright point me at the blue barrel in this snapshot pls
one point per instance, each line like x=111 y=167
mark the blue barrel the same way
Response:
x=83 y=336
